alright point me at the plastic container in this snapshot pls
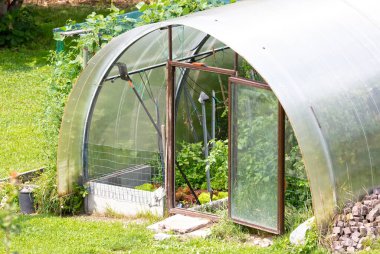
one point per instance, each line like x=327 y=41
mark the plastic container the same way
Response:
x=26 y=200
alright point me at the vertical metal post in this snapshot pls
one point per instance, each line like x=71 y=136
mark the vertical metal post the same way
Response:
x=170 y=123
x=202 y=98
x=236 y=64
x=85 y=56
x=213 y=117
x=281 y=168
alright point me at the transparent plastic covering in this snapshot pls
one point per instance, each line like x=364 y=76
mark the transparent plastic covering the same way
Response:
x=321 y=59
x=254 y=154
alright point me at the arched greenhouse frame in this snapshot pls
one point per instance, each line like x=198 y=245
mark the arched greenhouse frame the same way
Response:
x=137 y=98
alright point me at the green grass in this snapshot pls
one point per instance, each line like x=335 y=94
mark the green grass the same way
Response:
x=48 y=18
x=42 y=234
x=47 y=234
x=24 y=76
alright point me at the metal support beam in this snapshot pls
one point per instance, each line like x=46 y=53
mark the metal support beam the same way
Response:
x=170 y=123
x=202 y=67
x=281 y=169
x=193 y=57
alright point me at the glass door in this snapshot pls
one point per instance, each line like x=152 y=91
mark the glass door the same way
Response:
x=256 y=156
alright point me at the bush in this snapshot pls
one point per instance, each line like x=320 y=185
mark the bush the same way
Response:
x=17 y=27
x=160 y=10
x=191 y=160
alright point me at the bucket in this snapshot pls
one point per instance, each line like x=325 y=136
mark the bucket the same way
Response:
x=26 y=200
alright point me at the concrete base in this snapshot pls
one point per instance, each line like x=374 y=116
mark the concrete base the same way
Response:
x=179 y=224
x=123 y=200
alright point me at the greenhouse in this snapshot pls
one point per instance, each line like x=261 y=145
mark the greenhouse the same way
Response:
x=253 y=75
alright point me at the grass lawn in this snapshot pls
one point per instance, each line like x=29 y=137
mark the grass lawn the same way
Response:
x=42 y=234
x=47 y=234
x=24 y=76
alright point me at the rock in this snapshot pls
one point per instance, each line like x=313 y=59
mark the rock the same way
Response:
x=376 y=191
x=340 y=223
x=337 y=245
x=364 y=210
x=347 y=231
x=350 y=250
x=179 y=224
x=334 y=237
x=265 y=243
x=352 y=223
x=337 y=230
x=346 y=210
x=367 y=202
x=297 y=237
x=359 y=246
x=363 y=231
x=356 y=210
x=354 y=229
x=162 y=236
x=200 y=233
x=373 y=214
x=355 y=236
x=348 y=242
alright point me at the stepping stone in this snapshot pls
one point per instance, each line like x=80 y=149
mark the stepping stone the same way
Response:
x=200 y=233
x=179 y=224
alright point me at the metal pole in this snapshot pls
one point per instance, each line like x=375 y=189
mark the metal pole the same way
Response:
x=202 y=98
x=213 y=117
x=85 y=57
x=159 y=140
x=170 y=124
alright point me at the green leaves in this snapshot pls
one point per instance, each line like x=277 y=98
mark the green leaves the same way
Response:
x=192 y=162
x=160 y=10
x=17 y=27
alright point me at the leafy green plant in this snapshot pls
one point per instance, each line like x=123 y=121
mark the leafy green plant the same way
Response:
x=159 y=10
x=8 y=212
x=191 y=160
x=204 y=197
x=225 y=229
x=17 y=27
x=67 y=66
x=72 y=204
x=146 y=187
x=218 y=164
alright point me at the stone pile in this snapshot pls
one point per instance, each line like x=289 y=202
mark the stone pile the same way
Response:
x=359 y=223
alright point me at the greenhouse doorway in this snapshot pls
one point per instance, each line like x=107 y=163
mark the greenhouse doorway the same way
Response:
x=200 y=177
x=245 y=100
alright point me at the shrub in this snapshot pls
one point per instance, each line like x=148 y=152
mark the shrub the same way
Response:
x=191 y=160
x=8 y=212
x=160 y=10
x=17 y=27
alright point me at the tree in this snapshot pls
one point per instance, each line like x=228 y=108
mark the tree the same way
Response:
x=8 y=5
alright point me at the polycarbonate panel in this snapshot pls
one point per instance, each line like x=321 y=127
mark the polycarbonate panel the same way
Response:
x=121 y=135
x=70 y=147
x=189 y=86
x=254 y=156
x=321 y=60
